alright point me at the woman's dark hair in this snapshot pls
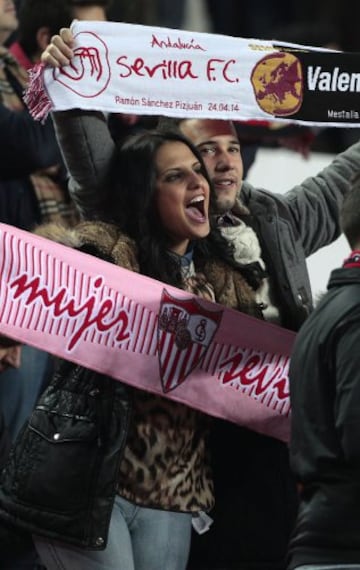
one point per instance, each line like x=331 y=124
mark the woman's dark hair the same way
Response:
x=131 y=205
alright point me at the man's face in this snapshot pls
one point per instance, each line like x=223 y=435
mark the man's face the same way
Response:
x=8 y=19
x=220 y=149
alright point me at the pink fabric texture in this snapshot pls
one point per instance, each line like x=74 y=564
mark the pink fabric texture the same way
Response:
x=144 y=332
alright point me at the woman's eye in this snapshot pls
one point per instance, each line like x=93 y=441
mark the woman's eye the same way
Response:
x=173 y=177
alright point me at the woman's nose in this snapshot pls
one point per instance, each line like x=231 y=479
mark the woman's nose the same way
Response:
x=195 y=180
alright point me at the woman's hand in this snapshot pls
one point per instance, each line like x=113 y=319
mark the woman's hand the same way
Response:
x=59 y=51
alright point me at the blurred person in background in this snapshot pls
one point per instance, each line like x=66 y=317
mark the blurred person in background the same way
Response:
x=33 y=183
x=33 y=189
x=255 y=491
x=324 y=390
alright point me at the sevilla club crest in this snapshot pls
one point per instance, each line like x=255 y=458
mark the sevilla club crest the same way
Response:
x=185 y=332
x=90 y=64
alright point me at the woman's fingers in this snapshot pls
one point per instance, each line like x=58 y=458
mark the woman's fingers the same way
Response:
x=67 y=36
x=54 y=57
x=62 y=45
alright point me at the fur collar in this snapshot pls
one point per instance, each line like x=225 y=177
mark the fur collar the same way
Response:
x=231 y=288
x=104 y=238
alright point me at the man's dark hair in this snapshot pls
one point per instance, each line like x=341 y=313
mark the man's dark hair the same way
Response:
x=350 y=214
x=169 y=124
x=36 y=14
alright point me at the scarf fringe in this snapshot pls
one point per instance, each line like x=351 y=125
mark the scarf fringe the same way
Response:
x=36 y=97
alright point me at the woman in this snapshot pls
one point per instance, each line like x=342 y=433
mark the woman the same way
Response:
x=106 y=476
x=126 y=454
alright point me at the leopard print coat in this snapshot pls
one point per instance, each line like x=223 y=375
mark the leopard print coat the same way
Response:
x=165 y=463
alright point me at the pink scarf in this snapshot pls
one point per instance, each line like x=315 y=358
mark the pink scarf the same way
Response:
x=144 y=333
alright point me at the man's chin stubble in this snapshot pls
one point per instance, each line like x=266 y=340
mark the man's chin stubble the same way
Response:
x=223 y=206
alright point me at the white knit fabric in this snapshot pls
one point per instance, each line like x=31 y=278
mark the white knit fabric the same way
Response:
x=247 y=250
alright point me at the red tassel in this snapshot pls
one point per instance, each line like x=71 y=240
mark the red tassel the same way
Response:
x=36 y=97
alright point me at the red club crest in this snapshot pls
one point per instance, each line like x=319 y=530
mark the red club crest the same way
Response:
x=185 y=331
x=90 y=61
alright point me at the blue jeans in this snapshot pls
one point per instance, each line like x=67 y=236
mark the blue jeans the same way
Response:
x=21 y=387
x=139 y=539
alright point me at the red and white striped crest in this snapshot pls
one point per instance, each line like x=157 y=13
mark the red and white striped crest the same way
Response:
x=185 y=331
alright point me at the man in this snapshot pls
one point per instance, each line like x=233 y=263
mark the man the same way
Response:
x=256 y=496
x=25 y=145
x=325 y=390
x=289 y=227
x=32 y=189
x=29 y=194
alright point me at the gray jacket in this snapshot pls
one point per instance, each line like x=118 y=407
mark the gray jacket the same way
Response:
x=290 y=227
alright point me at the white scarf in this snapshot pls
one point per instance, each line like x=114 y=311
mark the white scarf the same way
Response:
x=125 y=68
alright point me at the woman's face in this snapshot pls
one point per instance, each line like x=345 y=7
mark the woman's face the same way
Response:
x=182 y=195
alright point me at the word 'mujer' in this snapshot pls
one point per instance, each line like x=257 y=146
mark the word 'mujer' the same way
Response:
x=86 y=314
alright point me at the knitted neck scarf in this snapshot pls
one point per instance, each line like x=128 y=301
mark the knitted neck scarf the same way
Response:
x=10 y=67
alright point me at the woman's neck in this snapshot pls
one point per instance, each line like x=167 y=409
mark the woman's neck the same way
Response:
x=180 y=248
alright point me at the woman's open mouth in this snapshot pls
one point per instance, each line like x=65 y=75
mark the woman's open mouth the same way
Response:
x=196 y=209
